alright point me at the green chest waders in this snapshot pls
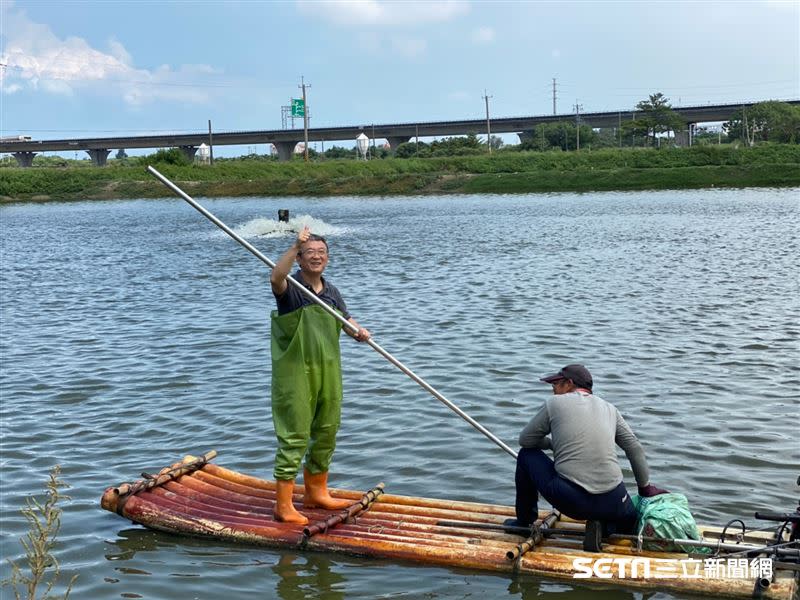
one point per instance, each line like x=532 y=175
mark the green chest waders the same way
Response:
x=306 y=389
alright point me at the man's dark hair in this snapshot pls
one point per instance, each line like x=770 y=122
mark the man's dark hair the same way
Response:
x=315 y=238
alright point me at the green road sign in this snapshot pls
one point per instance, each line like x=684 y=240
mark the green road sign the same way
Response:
x=298 y=107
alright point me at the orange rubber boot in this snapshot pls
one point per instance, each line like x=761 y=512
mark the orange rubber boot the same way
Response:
x=284 y=509
x=317 y=492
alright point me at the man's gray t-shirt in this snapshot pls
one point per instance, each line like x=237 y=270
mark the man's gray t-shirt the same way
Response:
x=584 y=432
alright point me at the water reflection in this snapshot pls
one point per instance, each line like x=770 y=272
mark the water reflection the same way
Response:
x=131 y=541
x=301 y=576
x=526 y=587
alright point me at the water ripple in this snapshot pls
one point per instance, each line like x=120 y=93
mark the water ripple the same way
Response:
x=134 y=333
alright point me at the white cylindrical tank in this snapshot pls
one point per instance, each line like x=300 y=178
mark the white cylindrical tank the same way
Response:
x=203 y=153
x=362 y=141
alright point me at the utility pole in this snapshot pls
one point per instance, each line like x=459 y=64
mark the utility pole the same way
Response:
x=210 y=144
x=303 y=86
x=488 y=122
x=554 y=95
x=578 y=108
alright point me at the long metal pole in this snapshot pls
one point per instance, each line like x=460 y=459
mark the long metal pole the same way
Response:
x=313 y=297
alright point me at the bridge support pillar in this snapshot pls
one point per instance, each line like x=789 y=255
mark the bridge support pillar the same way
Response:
x=685 y=137
x=285 y=150
x=24 y=159
x=98 y=156
x=396 y=140
x=525 y=136
x=189 y=152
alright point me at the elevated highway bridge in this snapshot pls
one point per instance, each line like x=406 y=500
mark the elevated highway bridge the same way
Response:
x=395 y=134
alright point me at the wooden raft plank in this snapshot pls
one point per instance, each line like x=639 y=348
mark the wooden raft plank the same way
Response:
x=204 y=499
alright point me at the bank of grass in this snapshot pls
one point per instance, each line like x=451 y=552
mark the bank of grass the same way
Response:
x=503 y=172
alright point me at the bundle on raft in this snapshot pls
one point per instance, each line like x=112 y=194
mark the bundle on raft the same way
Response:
x=195 y=497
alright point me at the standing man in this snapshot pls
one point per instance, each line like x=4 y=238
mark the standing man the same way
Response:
x=306 y=376
x=583 y=479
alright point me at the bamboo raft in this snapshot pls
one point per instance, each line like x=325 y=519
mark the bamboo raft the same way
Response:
x=195 y=497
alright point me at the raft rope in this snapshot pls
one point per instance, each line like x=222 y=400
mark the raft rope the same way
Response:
x=739 y=536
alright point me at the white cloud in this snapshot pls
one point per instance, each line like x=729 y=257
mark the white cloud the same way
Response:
x=119 y=52
x=409 y=47
x=36 y=59
x=483 y=35
x=52 y=86
x=384 y=12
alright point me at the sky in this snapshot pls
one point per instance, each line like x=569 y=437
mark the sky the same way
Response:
x=98 y=68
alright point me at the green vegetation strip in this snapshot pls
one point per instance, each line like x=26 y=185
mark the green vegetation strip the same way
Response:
x=502 y=172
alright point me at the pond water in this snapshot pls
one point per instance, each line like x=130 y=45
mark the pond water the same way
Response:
x=135 y=332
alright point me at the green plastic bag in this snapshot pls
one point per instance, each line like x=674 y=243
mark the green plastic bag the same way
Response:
x=666 y=516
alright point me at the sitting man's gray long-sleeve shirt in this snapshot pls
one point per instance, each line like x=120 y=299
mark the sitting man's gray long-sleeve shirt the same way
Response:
x=584 y=432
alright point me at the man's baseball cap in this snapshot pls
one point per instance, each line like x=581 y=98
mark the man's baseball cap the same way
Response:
x=579 y=375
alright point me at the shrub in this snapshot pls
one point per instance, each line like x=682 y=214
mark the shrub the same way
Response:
x=168 y=156
x=44 y=522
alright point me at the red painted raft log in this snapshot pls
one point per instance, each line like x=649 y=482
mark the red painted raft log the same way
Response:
x=195 y=497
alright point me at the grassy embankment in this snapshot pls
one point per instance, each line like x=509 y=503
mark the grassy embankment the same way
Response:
x=503 y=172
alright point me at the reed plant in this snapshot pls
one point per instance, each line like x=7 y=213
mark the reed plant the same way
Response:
x=41 y=571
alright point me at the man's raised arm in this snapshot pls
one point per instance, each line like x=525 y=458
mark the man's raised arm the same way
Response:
x=284 y=265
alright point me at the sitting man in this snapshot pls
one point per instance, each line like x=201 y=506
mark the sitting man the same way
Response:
x=584 y=479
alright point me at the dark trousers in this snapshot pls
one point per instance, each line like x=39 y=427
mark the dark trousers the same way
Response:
x=536 y=474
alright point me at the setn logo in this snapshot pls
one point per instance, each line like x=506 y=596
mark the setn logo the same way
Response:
x=606 y=568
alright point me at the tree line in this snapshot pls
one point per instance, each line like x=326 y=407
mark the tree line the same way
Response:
x=655 y=123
